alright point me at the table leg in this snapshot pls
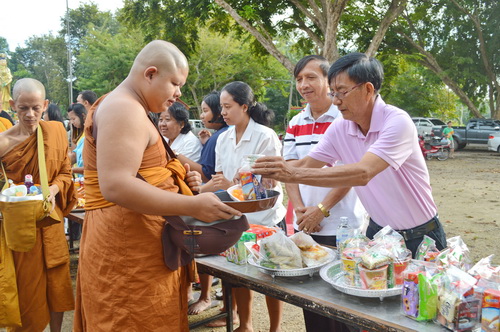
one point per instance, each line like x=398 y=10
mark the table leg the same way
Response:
x=228 y=304
x=70 y=224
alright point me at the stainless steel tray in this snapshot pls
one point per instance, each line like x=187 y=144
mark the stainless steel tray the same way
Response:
x=310 y=270
x=333 y=274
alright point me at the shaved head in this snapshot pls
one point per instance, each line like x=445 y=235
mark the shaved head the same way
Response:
x=163 y=55
x=29 y=85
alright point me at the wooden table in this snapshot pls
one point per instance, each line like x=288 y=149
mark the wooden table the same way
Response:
x=74 y=216
x=316 y=295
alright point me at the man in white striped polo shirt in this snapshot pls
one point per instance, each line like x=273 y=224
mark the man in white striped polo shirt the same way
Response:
x=317 y=209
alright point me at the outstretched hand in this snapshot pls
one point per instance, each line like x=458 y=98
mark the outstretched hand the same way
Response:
x=210 y=208
x=193 y=178
x=274 y=168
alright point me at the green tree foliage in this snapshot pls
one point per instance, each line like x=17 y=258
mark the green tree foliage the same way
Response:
x=84 y=18
x=416 y=89
x=222 y=59
x=43 y=58
x=4 y=46
x=105 y=59
x=458 y=40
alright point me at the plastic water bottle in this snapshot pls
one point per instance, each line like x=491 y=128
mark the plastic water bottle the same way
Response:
x=344 y=232
x=28 y=181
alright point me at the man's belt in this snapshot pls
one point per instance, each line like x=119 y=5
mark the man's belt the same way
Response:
x=412 y=233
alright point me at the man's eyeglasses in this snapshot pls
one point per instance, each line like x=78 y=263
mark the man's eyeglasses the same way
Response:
x=341 y=95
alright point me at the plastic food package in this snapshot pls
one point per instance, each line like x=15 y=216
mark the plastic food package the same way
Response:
x=484 y=270
x=457 y=254
x=279 y=252
x=490 y=320
x=427 y=250
x=419 y=295
x=311 y=252
x=459 y=305
x=238 y=253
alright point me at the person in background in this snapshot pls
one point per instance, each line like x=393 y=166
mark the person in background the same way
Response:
x=4 y=124
x=123 y=283
x=382 y=159
x=53 y=113
x=379 y=146
x=317 y=210
x=175 y=127
x=42 y=274
x=4 y=114
x=448 y=134
x=87 y=98
x=212 y=119
x=77 y=115
x=250 y=134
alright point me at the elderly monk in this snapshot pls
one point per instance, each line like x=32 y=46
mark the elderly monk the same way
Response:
x=42 y=274
x=123 y=284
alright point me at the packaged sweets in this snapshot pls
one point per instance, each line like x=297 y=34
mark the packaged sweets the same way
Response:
x=238 y=253
x=311 y=252
x=419 y=295
x=458 y=306
x=251 y=185
x=490 y=320
x=279 y=252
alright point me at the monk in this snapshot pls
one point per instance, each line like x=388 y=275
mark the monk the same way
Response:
x=42 y=274
x=123 y=284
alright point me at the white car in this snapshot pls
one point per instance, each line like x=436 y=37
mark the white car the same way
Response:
x=494 y=141
x=425 y=125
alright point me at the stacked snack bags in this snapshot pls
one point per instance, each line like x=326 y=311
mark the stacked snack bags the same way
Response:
x=281 y=252
x=238 y=253
x=437 y=287
x=376 y=264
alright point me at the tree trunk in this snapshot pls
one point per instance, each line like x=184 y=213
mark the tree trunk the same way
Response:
x=431 y=63
x=494 y=84
x=395 y=9
x=266 y=43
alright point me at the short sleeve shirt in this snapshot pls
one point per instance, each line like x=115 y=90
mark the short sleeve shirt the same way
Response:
x=302 y=134
x=401 y=195
x=257 y=139
x=188 y=145
x=207 y=159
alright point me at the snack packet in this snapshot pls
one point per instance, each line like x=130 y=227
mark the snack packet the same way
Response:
x=311 y=252
x=279 y=252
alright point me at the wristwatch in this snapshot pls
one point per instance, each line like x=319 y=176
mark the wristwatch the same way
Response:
x=325 y=212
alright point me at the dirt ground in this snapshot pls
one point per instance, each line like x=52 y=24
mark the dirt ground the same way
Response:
x=466 y=191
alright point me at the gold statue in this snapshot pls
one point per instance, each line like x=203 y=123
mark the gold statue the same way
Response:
x=5 y=80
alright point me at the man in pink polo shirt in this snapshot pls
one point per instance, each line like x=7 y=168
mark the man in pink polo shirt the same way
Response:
x=379 y=147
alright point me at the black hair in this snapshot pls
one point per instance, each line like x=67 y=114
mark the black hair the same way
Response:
x=360 y=68
x=54 y=113
x=181 y=115
x=323 y=64
x=89 y=96
x=81 y=112
x=242 y=94
x=213 y=102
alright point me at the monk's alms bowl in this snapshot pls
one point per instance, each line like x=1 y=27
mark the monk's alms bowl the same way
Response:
x=250 y=206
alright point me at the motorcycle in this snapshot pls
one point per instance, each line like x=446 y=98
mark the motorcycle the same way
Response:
x=435 y=147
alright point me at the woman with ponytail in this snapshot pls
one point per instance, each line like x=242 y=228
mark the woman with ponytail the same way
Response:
x=249 y=134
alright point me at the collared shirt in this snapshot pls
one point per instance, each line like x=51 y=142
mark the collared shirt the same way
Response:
x=188 y=145
x=302 y=134
x=207 y=159
x=257 y=139
x=401 y=195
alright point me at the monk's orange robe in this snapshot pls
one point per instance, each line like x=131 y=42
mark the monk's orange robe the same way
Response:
x=122 y=283
x=4 y=124
x=42 y=274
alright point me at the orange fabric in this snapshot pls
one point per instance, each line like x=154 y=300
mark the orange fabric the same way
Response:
x=4 y=124
x=42 y=274
x=123 y=284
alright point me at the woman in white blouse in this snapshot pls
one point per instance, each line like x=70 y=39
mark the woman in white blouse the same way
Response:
x=249 y=134
x=174 y=126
